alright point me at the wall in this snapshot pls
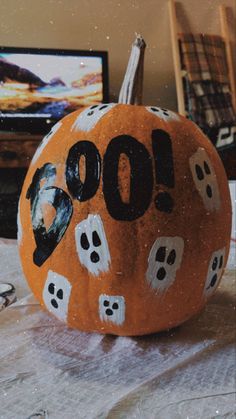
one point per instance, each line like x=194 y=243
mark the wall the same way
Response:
x=111 y=25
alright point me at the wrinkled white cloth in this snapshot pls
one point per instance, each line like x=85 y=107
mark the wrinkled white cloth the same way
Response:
x=50 y=371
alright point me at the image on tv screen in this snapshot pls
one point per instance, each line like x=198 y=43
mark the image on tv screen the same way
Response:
x=48 y=85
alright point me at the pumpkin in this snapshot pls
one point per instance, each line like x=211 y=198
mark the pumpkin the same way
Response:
x=124 y=220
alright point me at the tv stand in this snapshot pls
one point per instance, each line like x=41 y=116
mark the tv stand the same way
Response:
x=17 y=149
x=16 y=152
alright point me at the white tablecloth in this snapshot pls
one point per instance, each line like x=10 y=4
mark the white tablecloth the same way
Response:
x=50 y=371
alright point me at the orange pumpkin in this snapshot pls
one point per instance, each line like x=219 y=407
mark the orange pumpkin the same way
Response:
x=124 y=220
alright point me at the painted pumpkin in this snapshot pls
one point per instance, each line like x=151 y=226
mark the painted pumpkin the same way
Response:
x=124 y=220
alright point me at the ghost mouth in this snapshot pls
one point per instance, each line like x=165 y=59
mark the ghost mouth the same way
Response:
x=94 y=257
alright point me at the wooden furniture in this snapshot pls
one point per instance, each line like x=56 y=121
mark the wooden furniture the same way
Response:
x=176 y=55
x=228 y=156
x=16 y=152
x=225 y=35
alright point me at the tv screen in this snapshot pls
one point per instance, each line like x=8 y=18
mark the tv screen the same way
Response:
x=40 y=86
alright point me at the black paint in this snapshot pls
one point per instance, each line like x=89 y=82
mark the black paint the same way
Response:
x=199 y=172
x=94 y=257
x=207 y=168
x=171 y=258
x=221 y=262
x=54 y=303
x=209 y=191
x=115 y=306
x=60 y=294
x=161 y=254
x=84 y=241
x=161 y=273
x=213 y=280
x=164 y=168
x=102 y=107
x=164 y=202
x=214 y=264
x=141 y=179
x=38 y=192
x=51 y=288
x=87 y=189
x=96 y=239
x=109 y=312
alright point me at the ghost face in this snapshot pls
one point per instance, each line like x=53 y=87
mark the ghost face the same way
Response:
x=164 y=260
x=214 y=273
x=91 y=116
x=92 y=246
x=163 y=114
x=205 y=179
x=56 y=295
x=112 y=308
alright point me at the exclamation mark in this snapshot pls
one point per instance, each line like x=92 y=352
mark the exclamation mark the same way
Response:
x=164 y=168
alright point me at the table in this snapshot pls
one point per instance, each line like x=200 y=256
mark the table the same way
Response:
x=50 y=371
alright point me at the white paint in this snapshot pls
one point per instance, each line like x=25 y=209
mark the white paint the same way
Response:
x=112 y=308
x=7 y=295
x=214 y=273
x=5 y=288
x=163 y=262
x=225 y=136
x=200 y=159
x=60 y=289
x=232 y=188
x=3 y=303
x=164 y=114
x=45 y=141
x=45 y=196
x=88 y=118
x=87 y=228
x=19 y=226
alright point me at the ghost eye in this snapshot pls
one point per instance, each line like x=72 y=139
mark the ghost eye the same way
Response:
x=161 y=254
x=96 y=239
x=84 y=241
x=221 y=262
x=60 y=294
x=214 y=264
x=51 y=288
x=207 y=168
x=199 y=172
x=171 y=258
x=103 y=107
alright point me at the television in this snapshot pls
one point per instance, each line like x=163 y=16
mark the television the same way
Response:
x=40 y=86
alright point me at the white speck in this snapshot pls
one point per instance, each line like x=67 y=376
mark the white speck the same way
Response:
x=107 y=37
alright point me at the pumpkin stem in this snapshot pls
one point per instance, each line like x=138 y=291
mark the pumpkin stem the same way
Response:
x=131 y=91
